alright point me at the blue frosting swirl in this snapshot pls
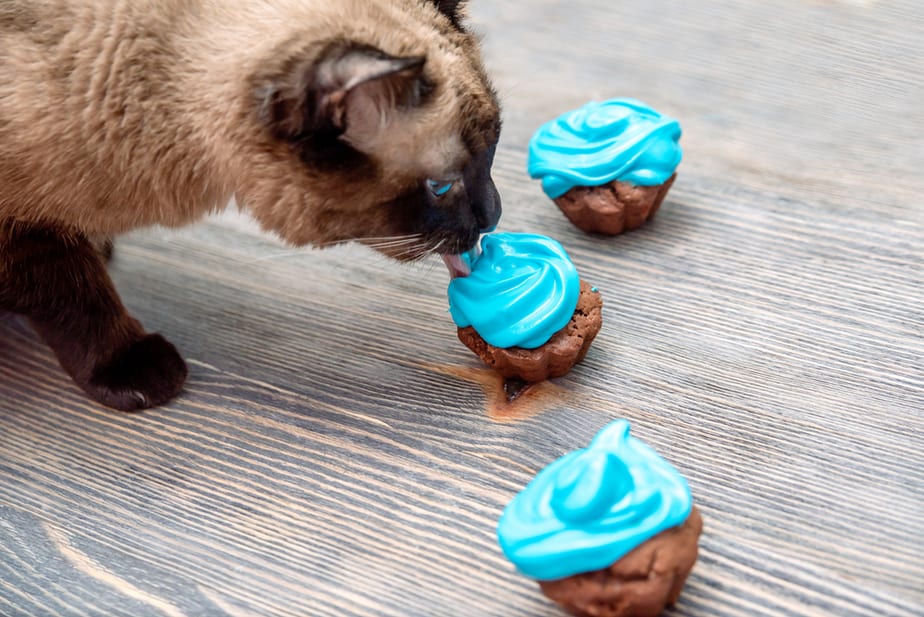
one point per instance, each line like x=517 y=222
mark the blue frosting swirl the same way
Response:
x=522 y=290
x=619 y=139
x=591 y=507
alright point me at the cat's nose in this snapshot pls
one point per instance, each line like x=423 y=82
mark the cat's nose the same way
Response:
x=488 y=210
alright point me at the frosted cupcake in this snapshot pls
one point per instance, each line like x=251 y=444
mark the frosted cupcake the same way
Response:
x=523 y=308
x=608 y=531
x=607 y=165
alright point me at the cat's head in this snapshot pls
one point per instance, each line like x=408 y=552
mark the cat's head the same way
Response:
x=392 y=127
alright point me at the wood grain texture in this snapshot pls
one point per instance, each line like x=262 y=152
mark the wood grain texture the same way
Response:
x=333 y=454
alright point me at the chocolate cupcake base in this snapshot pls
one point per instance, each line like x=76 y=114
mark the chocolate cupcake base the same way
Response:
x=566 y=348
x=612 y=208
x=641 y=584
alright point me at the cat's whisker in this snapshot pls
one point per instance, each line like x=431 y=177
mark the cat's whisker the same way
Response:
x=380 y=242
x=387 y=238
x=421 y=251
x=395 y=237
x=414 y=251
x=375 y=239
x=436 y=248
x=408 y=246
x=400 y=250
x=392 y=243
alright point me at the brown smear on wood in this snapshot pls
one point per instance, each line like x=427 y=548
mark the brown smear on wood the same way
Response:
x=510 y=400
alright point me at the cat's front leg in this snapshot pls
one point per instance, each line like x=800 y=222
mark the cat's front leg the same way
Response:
x=58 y=279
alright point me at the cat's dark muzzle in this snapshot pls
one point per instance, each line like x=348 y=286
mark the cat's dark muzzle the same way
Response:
x=482 y=218
x=488 y=209
x=456 y=228
x=483 y=197
x=444 y=219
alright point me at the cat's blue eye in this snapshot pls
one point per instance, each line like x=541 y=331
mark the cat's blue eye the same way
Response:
x=439 y=188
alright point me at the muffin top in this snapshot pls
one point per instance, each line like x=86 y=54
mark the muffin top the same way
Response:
x=523 y=288
x=618 y=139
x=591 y=507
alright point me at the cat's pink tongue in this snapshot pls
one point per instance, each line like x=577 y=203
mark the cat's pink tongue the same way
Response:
x=457 y=266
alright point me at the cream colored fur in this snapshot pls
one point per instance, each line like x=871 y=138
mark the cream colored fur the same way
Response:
x=116 y=114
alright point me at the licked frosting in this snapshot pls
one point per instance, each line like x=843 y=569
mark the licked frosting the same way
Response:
x=591 y=507
x=619 y=139
x=522 y=289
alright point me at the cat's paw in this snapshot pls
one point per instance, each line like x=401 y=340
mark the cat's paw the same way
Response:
x=148 y=373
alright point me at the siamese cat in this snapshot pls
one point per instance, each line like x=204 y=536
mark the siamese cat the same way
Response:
x=328 y=120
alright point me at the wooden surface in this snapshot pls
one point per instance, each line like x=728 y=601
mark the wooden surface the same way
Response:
x=338 y=452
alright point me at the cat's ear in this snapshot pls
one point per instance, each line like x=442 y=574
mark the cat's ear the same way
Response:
x=451 y=9
x=350 y=91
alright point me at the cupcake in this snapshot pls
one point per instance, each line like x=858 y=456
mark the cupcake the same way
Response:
x=608 y=166
x=607 y=531
x=523 y=308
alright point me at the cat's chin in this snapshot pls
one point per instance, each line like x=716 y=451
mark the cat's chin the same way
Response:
x=456 y=265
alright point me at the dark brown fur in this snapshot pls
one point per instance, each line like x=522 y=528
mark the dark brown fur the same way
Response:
x=323 y=119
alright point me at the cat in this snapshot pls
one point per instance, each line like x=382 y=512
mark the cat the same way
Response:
x=328 y=121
